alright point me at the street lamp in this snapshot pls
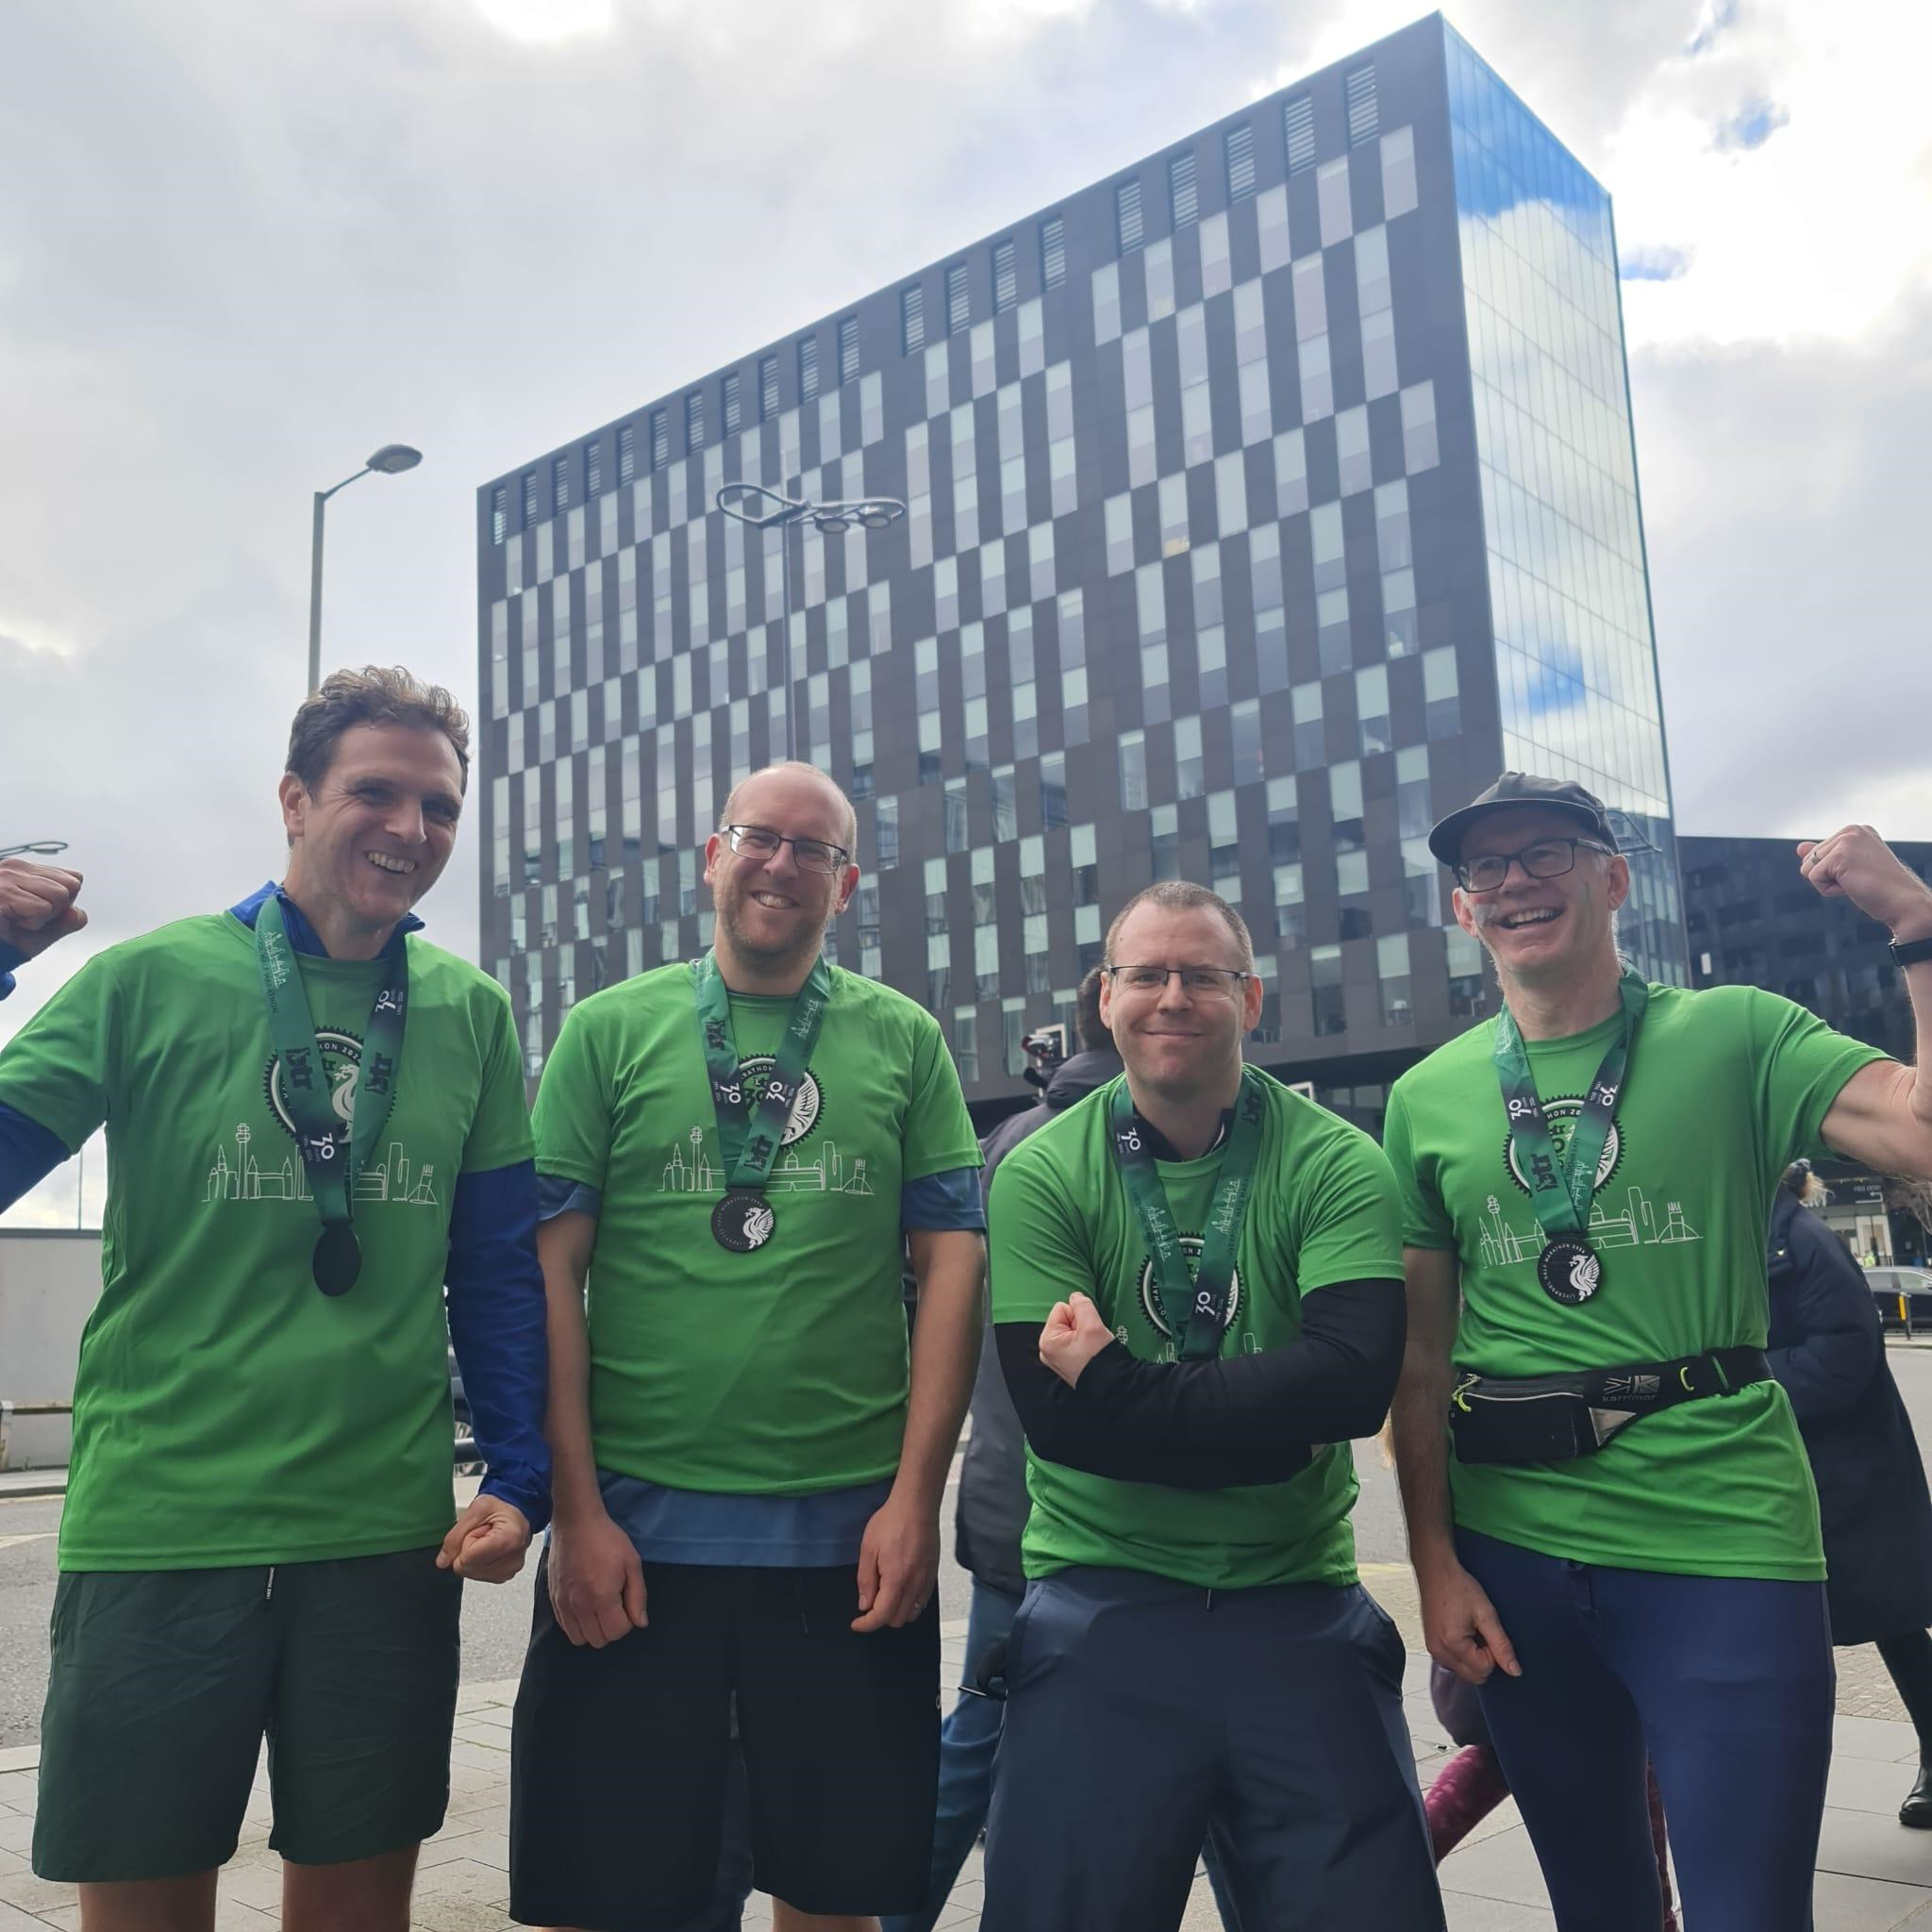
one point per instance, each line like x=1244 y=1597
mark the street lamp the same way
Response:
x=388 y=460
x=43 y=848
x=766 y=509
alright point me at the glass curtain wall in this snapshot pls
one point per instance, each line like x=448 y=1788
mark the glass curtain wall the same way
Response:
x=1575 y=654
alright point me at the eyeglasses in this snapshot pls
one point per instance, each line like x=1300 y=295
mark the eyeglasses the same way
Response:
x=1197 y=982
x=1548 y=859
x=761 y=843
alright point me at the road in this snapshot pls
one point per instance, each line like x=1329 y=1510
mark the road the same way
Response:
x=496 y=1621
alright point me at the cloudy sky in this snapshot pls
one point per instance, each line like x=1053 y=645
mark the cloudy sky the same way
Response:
x=241 y=245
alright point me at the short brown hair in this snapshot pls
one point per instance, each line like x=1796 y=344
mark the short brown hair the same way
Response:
x=1177 y=896
x=377 y=694
x=850 y=814
x=1093 y=1030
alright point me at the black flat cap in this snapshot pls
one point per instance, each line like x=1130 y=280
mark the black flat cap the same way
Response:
x=1523 y=787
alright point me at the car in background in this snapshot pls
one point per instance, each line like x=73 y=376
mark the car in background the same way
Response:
x=1903 y=1298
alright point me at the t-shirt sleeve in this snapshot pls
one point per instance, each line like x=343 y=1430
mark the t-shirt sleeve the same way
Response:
x=1424 y=1222
x=1802 y=1066
x=500 y=1134
x=1037 y=1250
x=573 y=1116
x=937 y=1133
x=1348 y=1221
x=59 y=1070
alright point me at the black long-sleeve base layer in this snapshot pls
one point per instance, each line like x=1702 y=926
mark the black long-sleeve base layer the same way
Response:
x=1218 y=1424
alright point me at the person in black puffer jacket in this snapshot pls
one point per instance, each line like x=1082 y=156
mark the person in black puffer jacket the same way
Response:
x=1827 y=1349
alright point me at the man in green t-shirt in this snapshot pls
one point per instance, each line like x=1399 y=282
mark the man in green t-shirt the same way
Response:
x=1216 y=1263
x=736 y=1154
x=315 y=1120
x=1622 y=1549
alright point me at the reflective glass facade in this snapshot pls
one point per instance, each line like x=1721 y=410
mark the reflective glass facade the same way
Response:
x=1193 y=582
x=1570 y=601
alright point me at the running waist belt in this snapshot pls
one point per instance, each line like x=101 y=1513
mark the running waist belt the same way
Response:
x=1550 y=1418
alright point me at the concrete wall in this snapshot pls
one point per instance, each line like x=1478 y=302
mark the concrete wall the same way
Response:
x=49 y=1282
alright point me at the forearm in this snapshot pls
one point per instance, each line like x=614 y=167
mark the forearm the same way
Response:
x=951 y=1267
x=1226 y=1423
x=496 y=1324
x=1420 y=1416
x=565 y=1252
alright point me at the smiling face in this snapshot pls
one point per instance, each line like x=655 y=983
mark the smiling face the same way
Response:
x=1542 y=932
x=377 y=830
x=1176 y=1044
x=773 y=913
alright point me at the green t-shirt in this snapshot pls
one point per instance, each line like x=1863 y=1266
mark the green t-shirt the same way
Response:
x=226 y=1411
x=1322 y=1211
x=781 y=1371
x=1723 y=1090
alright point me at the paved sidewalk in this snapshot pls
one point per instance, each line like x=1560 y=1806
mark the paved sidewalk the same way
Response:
x=1873 y=1876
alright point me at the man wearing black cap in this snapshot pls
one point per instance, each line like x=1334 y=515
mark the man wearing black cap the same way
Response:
x=1622 y=1546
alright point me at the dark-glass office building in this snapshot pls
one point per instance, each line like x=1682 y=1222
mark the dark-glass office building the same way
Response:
x=1265 y=499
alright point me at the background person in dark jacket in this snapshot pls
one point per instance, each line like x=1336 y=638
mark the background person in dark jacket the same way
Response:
x=1827 y=1349
x=991 y=1509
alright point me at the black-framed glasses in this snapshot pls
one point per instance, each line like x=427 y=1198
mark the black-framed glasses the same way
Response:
x=1548 y=859
x=1197 y=982
x=762 y=844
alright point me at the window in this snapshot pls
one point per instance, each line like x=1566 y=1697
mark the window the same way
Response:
x=732 y=405
x=694 y=421
x=1133 y=761
x=1238 y=146
x=913 y=318
x=807 y=368
x=499 y=513
x=848 y=349
x=1006 y=277
x=559 y=483
x=1052 y=252
x=627 y=452
x=1182 y=197
x=958 y=301
x=661 y=440
x=768 y=388
x=1298 y=129
x=1126 y=215
x=1325 y=981
x=594 y=467
x=1360 y=88
x=529 y=499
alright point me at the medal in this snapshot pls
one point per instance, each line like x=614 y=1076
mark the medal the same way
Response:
x=338 y=1258
x=742 y=1221
x=1562 y=1187
x=332 y=1152
x=1569 y=1272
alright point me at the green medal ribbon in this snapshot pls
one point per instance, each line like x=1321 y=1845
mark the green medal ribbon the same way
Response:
x=1561 y=1186
x=749 y=1137
x=1196 y=1307
x=333 y=1151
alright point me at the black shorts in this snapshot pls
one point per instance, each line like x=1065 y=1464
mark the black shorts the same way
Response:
x=163 y=1683
x=619 y=1756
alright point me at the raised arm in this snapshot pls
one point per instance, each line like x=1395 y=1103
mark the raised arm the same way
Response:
x=1883 y=1113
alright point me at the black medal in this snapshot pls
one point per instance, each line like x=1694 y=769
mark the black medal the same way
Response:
x=338 y=1258
x=1569 y=1272
x=742 y=1221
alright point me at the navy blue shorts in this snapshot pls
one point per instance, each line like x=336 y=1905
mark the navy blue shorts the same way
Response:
x=1145 y=1715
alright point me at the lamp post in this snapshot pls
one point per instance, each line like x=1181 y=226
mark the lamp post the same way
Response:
x=388 y=460
x=43 y=848
x=766 y=509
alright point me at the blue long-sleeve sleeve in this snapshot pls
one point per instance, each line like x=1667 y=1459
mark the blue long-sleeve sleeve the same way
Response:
x=28 y=1153
x=496 y=1322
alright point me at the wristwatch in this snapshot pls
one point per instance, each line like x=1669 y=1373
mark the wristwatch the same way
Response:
x=1912 y=950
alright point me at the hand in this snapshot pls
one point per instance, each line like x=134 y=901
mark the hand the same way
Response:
x=37 y=906
x=1855 y=863
x=488 y=1542
x=1460 y=1626
x=596 y=1581
x=1074 y=1335
x=898 y=1564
